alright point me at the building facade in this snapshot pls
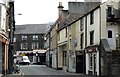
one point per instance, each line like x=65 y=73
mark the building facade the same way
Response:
x=4 y=37
x=30 y=37
x=90 y=41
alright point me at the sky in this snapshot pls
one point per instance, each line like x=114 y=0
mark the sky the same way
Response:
x=38 y=11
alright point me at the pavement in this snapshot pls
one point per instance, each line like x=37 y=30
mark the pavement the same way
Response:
x=20 y=74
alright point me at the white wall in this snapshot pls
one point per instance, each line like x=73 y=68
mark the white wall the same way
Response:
x=3 y=17
x=63 y=37
x=112 y=41
x=94 y=27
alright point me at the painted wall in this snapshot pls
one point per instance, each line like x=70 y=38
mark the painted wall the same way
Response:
x=3 y=17
x=105 y=26
x=94 y=27
x=63 y=37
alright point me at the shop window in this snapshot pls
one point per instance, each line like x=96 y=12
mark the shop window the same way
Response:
x=90 y=61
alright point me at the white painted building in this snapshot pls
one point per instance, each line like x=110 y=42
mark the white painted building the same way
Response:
x=99 y=27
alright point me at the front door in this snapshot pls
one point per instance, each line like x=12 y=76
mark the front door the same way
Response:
x=92 y=64
x=79 y=64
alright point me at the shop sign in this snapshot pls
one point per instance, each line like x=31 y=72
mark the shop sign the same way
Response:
x=75 y=43
x=79 y=53
x=91 y=49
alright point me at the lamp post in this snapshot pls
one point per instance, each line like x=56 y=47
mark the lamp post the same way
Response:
x=11 y=35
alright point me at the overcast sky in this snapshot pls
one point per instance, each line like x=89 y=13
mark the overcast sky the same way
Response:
x=38 y=11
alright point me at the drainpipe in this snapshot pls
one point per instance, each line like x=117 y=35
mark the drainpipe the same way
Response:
x=85 y=44
x=100 y=47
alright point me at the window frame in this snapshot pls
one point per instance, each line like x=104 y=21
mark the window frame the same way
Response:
x=81 y=24
x=91 y=18
x=91 y=37
x=110 y=35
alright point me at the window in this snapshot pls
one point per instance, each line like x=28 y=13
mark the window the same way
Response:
x=109 y=11
x=14 y=39
x=35 y=45
x=91 y=17
x=109 y=34
x=91 y=37
x=24 y=46
x=81 y=41
x=64 y=58
x=81 y=24
x=59 y=37
x=24 y=37
x=92 y=61
x=70 y=43
x=0 y=16
x=35 y=37
x=66 y=32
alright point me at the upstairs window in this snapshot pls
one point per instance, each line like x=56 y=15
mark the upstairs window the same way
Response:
x=109 y=11
x=91 y=37
x=66 y=32
x=24 y=37
x=0 y=16
x=81 y=41
x=35 y=37
x=109 y=34
x=81 y=24
x=91 y=17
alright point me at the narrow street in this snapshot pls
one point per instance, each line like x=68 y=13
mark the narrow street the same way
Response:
x=43 y=71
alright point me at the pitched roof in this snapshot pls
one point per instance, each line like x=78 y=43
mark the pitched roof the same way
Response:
x=68 y=20
x=31 y=29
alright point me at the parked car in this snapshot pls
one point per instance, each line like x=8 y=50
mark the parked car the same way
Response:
x=23 y=60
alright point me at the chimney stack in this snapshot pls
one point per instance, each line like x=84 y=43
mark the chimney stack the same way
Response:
x=60 y=8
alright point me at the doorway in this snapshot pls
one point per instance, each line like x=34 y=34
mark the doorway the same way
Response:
x=79 y=64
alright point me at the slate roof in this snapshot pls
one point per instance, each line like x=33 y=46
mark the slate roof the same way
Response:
x=31 y=29
x=68 y=20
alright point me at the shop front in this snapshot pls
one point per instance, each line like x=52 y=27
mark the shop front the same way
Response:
x=80 y=62
x=92 y=60
x=71 y=62
x=4 y=42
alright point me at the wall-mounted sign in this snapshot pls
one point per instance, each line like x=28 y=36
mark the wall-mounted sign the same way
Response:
x=75 y=43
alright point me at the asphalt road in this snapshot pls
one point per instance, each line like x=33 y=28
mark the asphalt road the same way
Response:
x=43 y=71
